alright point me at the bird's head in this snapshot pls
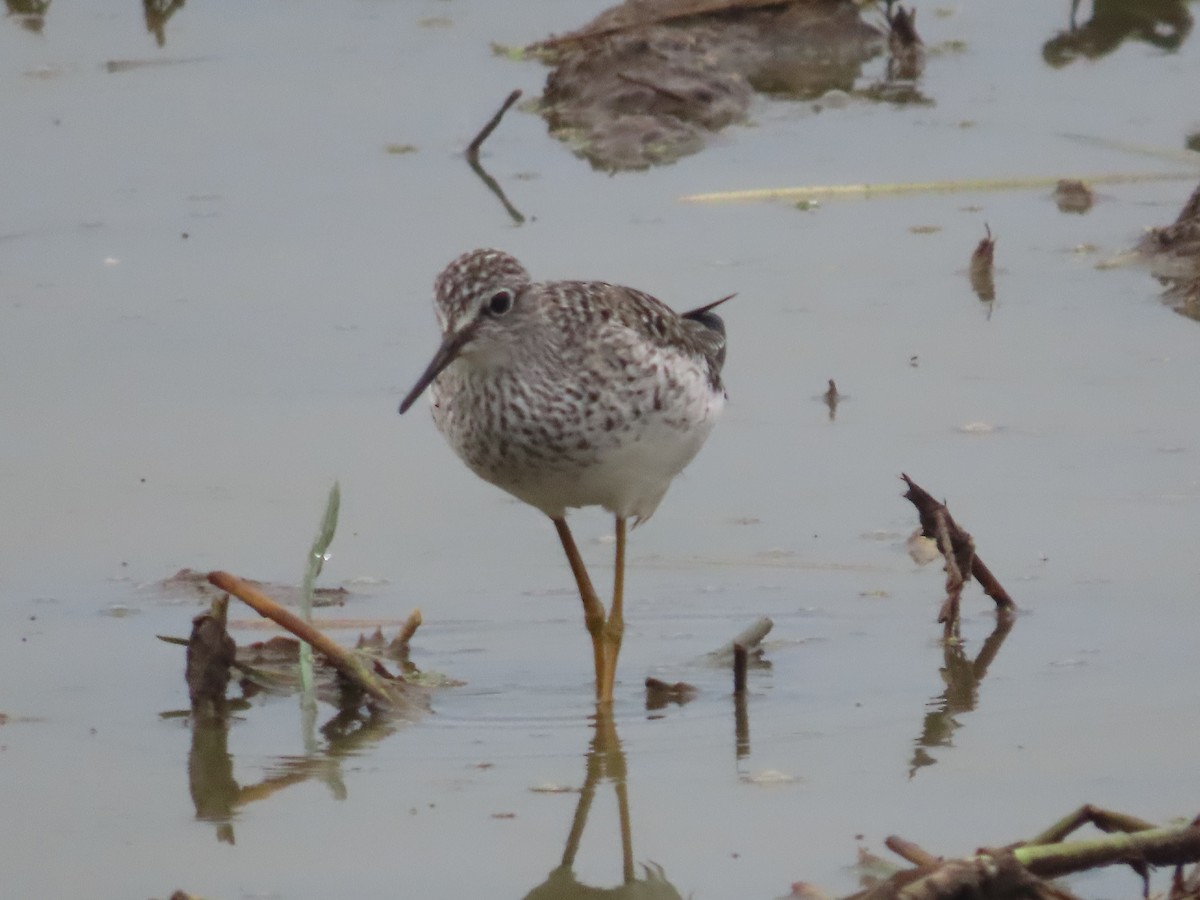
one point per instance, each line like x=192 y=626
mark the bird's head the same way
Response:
x=475 y=299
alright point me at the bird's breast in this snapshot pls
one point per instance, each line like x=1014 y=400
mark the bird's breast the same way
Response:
x=611 y=432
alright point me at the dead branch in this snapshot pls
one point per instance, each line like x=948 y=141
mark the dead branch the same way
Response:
x=902 y=25
x=739 y=669
x=349 y=664
x=962 y=563
x=991 y=878
x=1021 y=872
x=485 y=132
x=959 y=552
x=1171 y=846
x=911 y=852
x=1106 y=820
x=411 y=624
x=473 y=160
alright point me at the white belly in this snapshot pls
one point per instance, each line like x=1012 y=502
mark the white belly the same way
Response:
x=629 y=479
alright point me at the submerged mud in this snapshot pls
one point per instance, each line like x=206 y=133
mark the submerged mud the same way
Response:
x=646 y=84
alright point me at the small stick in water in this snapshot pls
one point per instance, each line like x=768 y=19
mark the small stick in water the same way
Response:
x=473 y=147
x=739 y=669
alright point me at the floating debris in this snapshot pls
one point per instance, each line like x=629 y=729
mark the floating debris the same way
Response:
x=1073 y=196
x=770 y=778
x=552 y=788
x=831 y=398
x=977 y=428
x=981 y=270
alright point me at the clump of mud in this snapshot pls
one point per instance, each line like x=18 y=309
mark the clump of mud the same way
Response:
x=648 y=82
x=1173 y=254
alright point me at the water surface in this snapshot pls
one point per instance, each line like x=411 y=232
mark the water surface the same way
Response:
x=214 y=290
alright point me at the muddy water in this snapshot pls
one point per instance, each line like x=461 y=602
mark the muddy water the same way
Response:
x=214 y=289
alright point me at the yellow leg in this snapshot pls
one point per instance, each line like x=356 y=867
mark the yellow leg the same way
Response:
x=593 y=609
x=614 y=628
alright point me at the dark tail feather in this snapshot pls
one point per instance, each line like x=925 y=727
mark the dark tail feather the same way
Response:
x=706 y=317
x=715 y=345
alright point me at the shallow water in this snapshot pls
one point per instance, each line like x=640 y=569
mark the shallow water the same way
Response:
x=171 y=400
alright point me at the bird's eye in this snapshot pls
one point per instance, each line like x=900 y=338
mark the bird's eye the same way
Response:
x=500 y=303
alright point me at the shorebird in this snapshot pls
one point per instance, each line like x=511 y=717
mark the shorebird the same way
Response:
x=569 y=394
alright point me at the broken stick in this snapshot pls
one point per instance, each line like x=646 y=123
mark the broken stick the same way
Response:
x=486 y=131
x=958 y=548
x=345 y=661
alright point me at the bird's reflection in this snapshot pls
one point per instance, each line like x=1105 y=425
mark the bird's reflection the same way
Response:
x=605 y=763
x=963 y=678
x=1161 y=23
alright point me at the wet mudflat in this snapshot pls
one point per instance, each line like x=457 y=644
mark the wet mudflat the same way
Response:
x=214 y=290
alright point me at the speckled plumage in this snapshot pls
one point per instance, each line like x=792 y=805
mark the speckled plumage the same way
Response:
x=570 y=393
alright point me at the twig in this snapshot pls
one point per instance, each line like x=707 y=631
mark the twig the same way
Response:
x=992 y=587
x=935 y=519
x=1156 y=846
x=902 y=26
x=739 y=669
x=473 y=147
x=958 y=550
x=1021 y=871
x=862 y=191
x=473 y=159
x=983 y=876
x=911 y=852
x=346 y=662
x=1106 y=820
x=411 y=624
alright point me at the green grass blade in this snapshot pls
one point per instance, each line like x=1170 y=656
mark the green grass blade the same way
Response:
x=316 y=561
